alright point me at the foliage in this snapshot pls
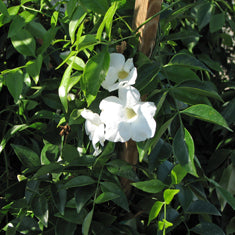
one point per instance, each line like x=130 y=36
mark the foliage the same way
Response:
x=54 y=55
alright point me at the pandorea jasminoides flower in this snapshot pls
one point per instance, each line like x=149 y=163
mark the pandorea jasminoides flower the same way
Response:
x=94 y=128
x=127 y=117
x=120 y=72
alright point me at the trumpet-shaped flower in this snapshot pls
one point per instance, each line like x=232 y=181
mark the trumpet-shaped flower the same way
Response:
x=127 y=117
x=120 y=72
x=94 y=128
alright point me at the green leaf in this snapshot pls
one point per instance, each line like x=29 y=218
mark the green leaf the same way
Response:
x=80 y=180
x=33 y=69
x=114 y=188
x=3 y=9
x=99 y=7
x=155 y=210
x=150 y=186
x=206 y=113
x=206 y=228
x=40 y=209
x=217 y=21
x=77 y=18
x=94 y=74
x=199 y=88
x=87 y=223
x=59 y=196
x=204 y=14
x=177 y=174
x=69 y=153
x=50 y=168
x=164 y=224
x=24 y=43
x=66 y=85
x=180 y=148
x=107 y=22
x=82 y=196
x=185 y=196
x=180 y=74
x=202 y=207
x=169 y=194
x=86 y=41
x=188 y=61
x=19 y=22
x=36 y=29
x=26 y=155
x=106 y=196
x=64 y=227
x=190 y=166
x=14 y=82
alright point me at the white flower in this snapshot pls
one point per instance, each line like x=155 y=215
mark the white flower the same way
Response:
x=127 y=117
x=120 y=73
x=94 y=128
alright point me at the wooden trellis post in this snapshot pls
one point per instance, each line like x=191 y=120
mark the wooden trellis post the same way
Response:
x=143 y=10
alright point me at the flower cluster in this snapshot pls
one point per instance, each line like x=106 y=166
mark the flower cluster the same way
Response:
x=124 y=117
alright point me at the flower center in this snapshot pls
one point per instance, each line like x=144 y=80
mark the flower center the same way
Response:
x=130 y=113
x=123 y=74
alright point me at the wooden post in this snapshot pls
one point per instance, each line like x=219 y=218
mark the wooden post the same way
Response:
x=143 y=10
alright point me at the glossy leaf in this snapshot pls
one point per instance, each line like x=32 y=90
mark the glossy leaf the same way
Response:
x=177 y=174
x=59 y=195
x=87 y=223
x=150 y=186
x=169 y=194
x=155 y=210
x=206 y=228
x=24 y=43
x=202 y=207
x=94 y=73
x=78 y=181
x=66 y=85
x=26 y=155
x=164 y=224
x=187 y=61
x=77 y=18
x=180 y=148
x=35 y=68
x=106 y=196
x=206 y=113
x=40 y=209
x=12 y=79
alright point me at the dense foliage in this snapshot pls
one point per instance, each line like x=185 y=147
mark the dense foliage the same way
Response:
x=51 y=183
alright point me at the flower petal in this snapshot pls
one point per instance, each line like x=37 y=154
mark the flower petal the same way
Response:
x=89 y=115
x=117 y=61
x=129 y=95
x=110 y=79
x=128 y=65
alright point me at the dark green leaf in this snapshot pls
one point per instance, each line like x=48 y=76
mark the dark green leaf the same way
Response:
x=82 y=196
x=69 y=152
x=99 y=7
x=78 y=181
x=180 y=74
x=14 y=82
x=188 y=61
x=106 y=196
x=204 y=14
x=206 y=113
x=114 y=188
x=202 y=207
x=26 y=155
x=206 y=228
x=24 y=43
x=150 y=186
x=50 y=168
x=3 y=8
x=63 y=227
x=87 y=223
x=180 y=148
x=185 y=196
x=40 y=209
x=216 y=23
x=59 y=195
